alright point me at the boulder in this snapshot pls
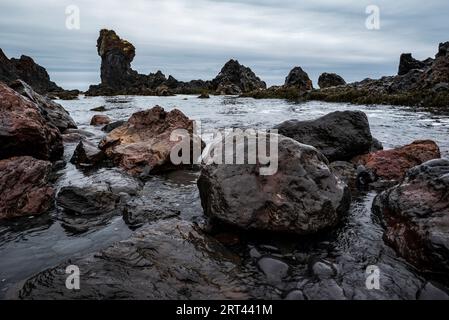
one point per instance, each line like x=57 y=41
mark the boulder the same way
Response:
x=204 y=95
x=234 y=75
x=407 y=63
x=25 y=187
x=86 y=153
x=299 y=79
x=142 y=144
x=24 y=130
x=99 y=120
x=174 y=258
x=52 y=111
x=339 y=135
x=327 y=80
x=111 y=126
x=392 y=164
x=303 y=196
x=415 y=215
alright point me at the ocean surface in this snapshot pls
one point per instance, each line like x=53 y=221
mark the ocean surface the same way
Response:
x=30 y=245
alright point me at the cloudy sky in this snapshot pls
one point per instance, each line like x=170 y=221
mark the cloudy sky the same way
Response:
x=193 y=39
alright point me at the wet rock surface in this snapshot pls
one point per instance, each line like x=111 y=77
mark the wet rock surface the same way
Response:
x=338 y=135
x=100 y=120
x=24 y=130
x=87 y=153
x=393 y=163
x=416 y=216
x=25 y=187
x=302 y=196
x=174 y=258
x=299 y=79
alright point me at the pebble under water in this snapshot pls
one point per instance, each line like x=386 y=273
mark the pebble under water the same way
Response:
x=331 y=265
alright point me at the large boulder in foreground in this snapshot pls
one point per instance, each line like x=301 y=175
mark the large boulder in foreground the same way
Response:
x=171 y=259
x=339 y=135
x=299 y=79
x=52 y=111
x=24 y=130
x=393 y=163
x=416 y=216
x=303 y=196
x=24 y=187
x=142 y=144
x=327 y=80
x=235 y=78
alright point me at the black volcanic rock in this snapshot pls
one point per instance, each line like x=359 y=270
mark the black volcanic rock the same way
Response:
x=327 y=80
x=117 y=76
x=235 y=78
x=298 y=78
x=27 y=70
x=407 y=63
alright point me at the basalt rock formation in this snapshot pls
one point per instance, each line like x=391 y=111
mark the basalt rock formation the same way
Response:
x=418 y=83
x=298 y=78
x=327 y=80
x=117 y=76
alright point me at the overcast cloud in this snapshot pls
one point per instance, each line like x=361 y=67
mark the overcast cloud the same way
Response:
x=193 y=39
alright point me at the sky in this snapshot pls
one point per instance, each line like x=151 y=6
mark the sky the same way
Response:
x=192 y=39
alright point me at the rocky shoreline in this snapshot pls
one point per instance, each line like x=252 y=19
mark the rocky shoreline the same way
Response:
x=324 y=166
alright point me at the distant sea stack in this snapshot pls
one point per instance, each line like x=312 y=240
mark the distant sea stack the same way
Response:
x=117 y=76
x=27 y=70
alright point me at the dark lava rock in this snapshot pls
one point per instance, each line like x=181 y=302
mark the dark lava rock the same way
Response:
x=27 y=70
x=407 y=63
x=204 y=96
x=99 y=109
x=299 y=79
x=52 y=111
x=111 y=126
x=393 y=163
x=117 y=76
x=327 y=80
x=237 y=76
x=430 y=292
x=100 y=119
x=275 y=270
x=25 y=187
x=345 y=171
x=339 y=135
x=143 y=143
x=137 y=212
x=171 y=259
x=86 y=153
x=302 y=197
x=24 y=130
x=415 y=214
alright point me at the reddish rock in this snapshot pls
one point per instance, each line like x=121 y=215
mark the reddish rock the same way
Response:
x=143 y=143
x=24 y=186
x=99 y=120
x=24 y=130
x=392 y=164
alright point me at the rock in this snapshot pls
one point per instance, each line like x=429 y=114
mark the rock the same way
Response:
x=99 y=119
x=392 y=164
x=86 y=153
x=376 y=145
x=295 y=295
x=24 y=130
x=142 y=144
x=275 y=270
x=25 y=187
x=52 y=111
x=137 y=212
x=416 y=217
x=174 y=258
x=327 y=80
x=407 y=63
x=99 y=109
x=430 y=292
x=117 y=76
x=339 y=135
x=204 y=95
x=345 y=171
x=324 y=270
x=27 y=70
x=302 y=197
x=298 y=78
x=111 y=126
x=234 y=75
